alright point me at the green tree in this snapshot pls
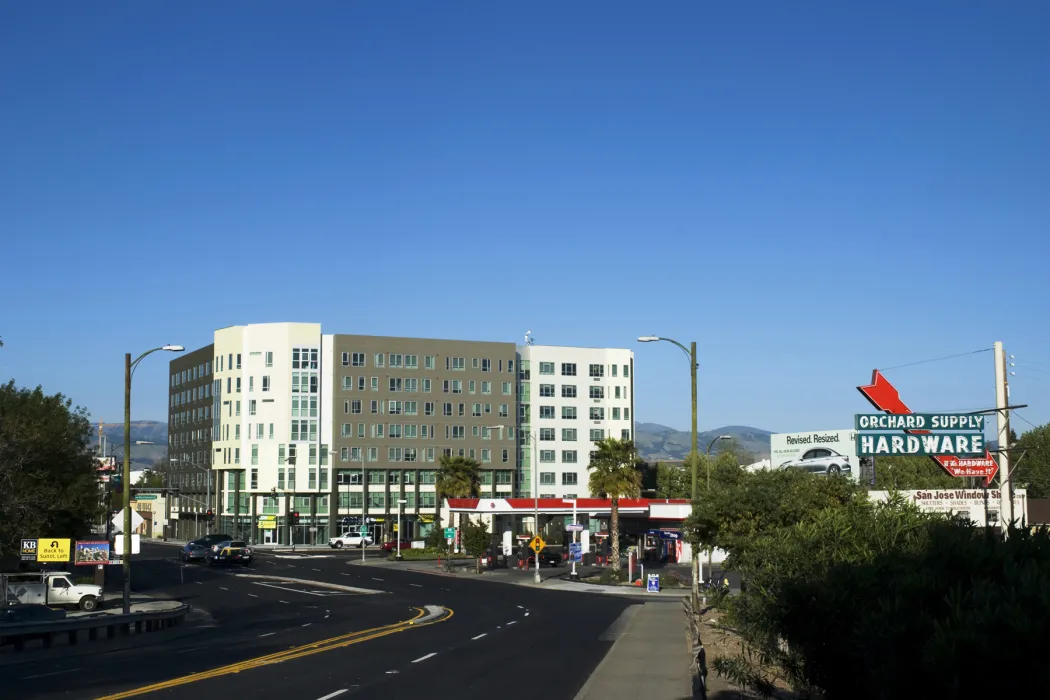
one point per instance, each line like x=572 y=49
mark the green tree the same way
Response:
x=1030 y=458
x=743 y=506
x=457 y=477
x=150 y=479
x=476 y=540
x=48 y=471
x=673 y=480
x=906 y=473
x=614 y=474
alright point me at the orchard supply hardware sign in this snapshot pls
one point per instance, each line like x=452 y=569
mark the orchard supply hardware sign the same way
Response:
x=961 y=451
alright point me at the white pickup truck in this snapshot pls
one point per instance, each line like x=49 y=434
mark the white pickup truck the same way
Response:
x=52 y=588
x=349 y=539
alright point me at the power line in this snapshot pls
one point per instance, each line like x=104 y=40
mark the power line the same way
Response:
x=935 y=359
x=1025 y=419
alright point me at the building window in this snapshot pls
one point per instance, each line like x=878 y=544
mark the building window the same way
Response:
x=357 y=359
x=411 y=361
x=547 y=478
x=546 y=411
x=597 y=413
x=626 y=373
x=547 y=434
x=396 y=360
x=547 y=390
x=379 y=360
x=568 y=369
x=254 y=483
x=613 y=369
x=568 y=391
x=546 y=368
x=596 y=392
x=459 y=364
x=568 y=434
x=266 y=382
x=547 y=456
x=269 y=358
x=504 y=410
x=429 y=361
x=616 y=413
x=568 y=457
x=597 y=370
x=486 y=365
x=251 y=407
x=597 y=434
x=346 y=359
x=625 y=434
x=568 y=412
x=506 y=389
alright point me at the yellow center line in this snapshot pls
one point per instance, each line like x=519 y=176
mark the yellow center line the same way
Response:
x=341 y=641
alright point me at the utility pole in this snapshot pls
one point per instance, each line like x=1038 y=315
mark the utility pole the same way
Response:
x=1002 y=421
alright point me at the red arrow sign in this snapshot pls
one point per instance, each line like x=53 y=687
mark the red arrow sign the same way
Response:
x=885 y=397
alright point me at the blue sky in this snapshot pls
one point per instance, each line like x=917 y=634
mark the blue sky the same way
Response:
x=808 y=190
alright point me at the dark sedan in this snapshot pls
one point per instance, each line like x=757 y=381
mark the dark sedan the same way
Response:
x=193 y=551
x=233 y=552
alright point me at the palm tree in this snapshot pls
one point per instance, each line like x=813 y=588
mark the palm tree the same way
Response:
x=457 y=477
x=614 y=474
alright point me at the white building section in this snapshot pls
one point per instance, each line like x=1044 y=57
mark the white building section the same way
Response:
x=569 y=398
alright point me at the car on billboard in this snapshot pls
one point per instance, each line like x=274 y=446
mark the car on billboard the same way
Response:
x=820 y=460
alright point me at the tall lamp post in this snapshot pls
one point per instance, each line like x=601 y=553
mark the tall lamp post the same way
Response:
x=129 y=371
x=694 y=454
x=400 y=502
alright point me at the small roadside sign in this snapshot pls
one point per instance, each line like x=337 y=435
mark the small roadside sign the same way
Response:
x=652 y=583
x=52 y=550
x=146 y=497
x=574 y=527
x=118 y=521
x=363 y=530
x=537 y=544
x=450 y=533
x=28 y=550
x=575 y=551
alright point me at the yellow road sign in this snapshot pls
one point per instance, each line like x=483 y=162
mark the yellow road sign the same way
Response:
x=52 y=550
x=537 y=544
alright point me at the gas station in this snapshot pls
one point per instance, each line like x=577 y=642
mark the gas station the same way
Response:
x=654 y=524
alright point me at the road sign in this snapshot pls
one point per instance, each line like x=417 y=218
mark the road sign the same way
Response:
x=575 y=551
x=652 y=583
x=118 y=544
x=885 y=397
x=118 y=521
x=575 y=527
x=146 y=497
x=450 y=533
x=537 y=544
x=52 y=550
x=363 y=530
x=28 y=550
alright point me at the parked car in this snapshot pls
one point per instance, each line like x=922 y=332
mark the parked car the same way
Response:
x=820 y=460
x=349 y=539
x=30 y=613
x=193 y=551
x=391 y=546
x=53 y=588
x=232 y=552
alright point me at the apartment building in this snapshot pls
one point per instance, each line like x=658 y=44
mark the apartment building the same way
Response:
x=340 y=429
x=189 y=440
x=569 y=398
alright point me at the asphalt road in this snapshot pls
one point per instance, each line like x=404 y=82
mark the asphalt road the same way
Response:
x=321 y=641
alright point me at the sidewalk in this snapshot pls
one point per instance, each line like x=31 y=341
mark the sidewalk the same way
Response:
x=649 y=659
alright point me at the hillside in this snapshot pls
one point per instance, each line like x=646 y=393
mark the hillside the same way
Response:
x=656 y=442
x=142 y=456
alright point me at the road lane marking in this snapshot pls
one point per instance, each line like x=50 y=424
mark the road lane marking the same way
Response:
x=327 y=616
x=268 y=634
x=53 y=673
x=512 y=622
x=526 y=614
x=319 y=570
x=483 y=634
x=346 y=574
x=223 y=588
x=284 y=588
x=521 y=607
x=284 y=601
x=332 y=695
x=424 y=658
x=252 y=595
x=376 y=579
x=287 y=655
x=199 y=583
x=307 y=624
x=417 y=585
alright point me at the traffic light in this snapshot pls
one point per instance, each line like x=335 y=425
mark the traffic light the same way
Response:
x=210 y=515
x=295 y=518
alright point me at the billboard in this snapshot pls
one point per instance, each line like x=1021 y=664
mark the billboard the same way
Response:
x=972 y=504
x=819 y=452
x=87 y=553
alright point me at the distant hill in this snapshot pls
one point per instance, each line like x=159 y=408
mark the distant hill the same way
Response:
x=142 y=456
x=656 y=442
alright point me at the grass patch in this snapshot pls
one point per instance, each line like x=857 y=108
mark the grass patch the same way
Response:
x=426 y=555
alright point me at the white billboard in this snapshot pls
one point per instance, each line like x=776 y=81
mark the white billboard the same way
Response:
x=972 y=504
x=821 y=451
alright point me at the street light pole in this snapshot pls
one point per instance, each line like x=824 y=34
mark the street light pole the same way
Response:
x=129 y=370
x=694 y=454
x=400 y=502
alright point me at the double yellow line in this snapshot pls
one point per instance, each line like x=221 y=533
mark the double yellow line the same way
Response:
x=298 y=652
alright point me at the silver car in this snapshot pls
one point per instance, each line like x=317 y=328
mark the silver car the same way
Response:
x=821 y=460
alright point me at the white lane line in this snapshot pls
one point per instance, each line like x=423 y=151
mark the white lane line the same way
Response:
x=332 y=695
x=252 y=595
x=512 y=622
x=53 y=673
x=283 y=601
x=424 y=658
x=268 y=634
x=199 y=583
x=307 y=624
x=223 y=588
x=521 y=607
x=526 y=614
x=319 y=570
x=346 y=574
x=376 y=579
x=327 y=616
x=417 y=585
x=283 y=588
x=483 y=634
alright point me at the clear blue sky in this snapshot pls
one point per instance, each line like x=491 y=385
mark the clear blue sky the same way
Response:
x=809 y=190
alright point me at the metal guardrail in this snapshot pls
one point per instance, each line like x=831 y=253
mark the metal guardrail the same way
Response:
x=18 y=633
